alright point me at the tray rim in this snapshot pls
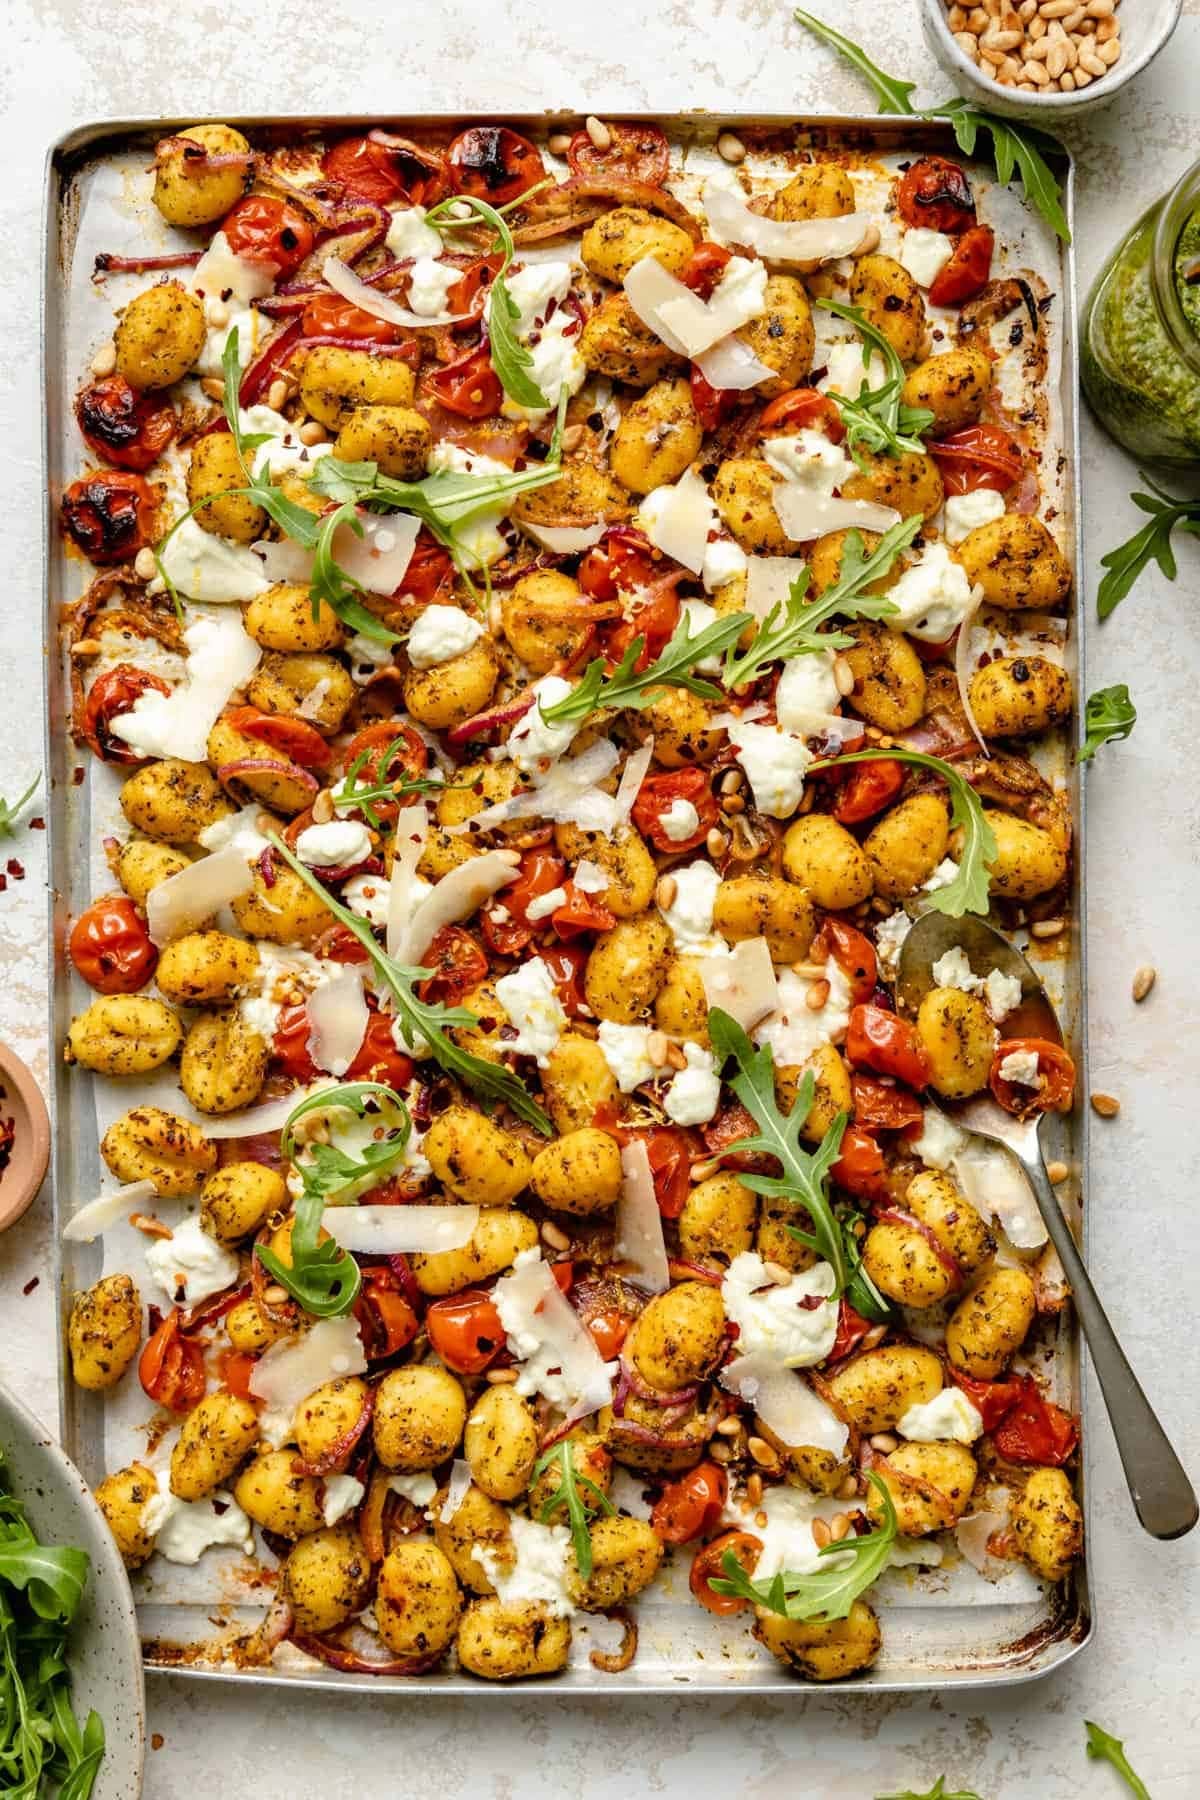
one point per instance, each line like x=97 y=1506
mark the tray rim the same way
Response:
x=66 y=153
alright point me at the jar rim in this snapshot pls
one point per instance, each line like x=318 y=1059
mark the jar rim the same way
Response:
x=1174 y=213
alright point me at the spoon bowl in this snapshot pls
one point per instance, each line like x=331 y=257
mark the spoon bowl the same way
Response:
x=1162 y=1495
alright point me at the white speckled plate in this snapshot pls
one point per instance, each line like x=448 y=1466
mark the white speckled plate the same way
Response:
x=106 y=1654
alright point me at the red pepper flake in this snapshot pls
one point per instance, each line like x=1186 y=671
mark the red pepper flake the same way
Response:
x=15 y=869
x=3 y=884
x=31 y=1284
x=78 y=777
x=8 y=1134
x=157 y=1740
x=38 y=824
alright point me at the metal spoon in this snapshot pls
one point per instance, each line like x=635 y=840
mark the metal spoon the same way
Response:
x=1162 y=1494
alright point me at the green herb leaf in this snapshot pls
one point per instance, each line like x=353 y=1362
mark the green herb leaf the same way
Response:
x=424 y=1020
x=626 y=687
x=349 y=796
x=1108 y=717
x=827 y=1593
x=877 y=418
x=9 y=815
x=791 y=629
x=968 y=891
x=1103 y=1747
x=580 y=1512
x=938 y=1791
x=339 y=591
x=1014 y=147
x=509 y=357
x=1151 y=544
x=245 y=443
x=805 y=1178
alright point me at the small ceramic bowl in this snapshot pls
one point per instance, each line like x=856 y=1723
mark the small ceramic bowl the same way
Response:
x=1146 y=27
x=23 y=1163
x=105 y=1649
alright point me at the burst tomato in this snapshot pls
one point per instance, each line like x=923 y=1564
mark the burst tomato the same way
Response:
x=270 y=232
x=609 y=1330
x=110 y=515
x=465 y=1330
x=328 y=315
x=379 y=1057
x=289 y=1046
x=469 y=387
x=711 y=404
x=658 y=796
x=580 y=912
x=235 y=1368
x=879 y=1106
x=494 y=163
x=690 y=1507
x=337 y=943
x=725 y=1132
x=430 y=569
x=293 y=739
x=567 y=963
x=852 y=1329
x=623 y=559
x=386 y=172
x=670 y=1165
x=710 y=1561
x=1055 y=1088
x=654 y=621
x=868 y=788
x=392 y=752
x=111 y=948
x=802 y=409
x=992 y=1400
x=705 y=267
x=124 y=426
x=879 y=1040
x=171 y=1367
x=978 y=456
x=458 y=964
x=388 y=1321
x=110 y=697
x=936 y=194
x=967 y=272
x=633 y=153
x=853 y=953
x=1034 y=1430
x=469 y=293
x=506 y=924
x=860 y=1167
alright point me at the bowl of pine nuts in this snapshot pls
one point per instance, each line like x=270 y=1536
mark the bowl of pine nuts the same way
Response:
x=1027 y=58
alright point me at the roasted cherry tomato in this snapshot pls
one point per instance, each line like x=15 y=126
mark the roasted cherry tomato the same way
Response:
x=705 y=267
x=470 y=291
x=879 y=1106
x=386 y=172
x=110 y=515
x=409 y=758
x=492 y=162
x=853 y=953
x=654 y=621
x=430 y=571
x=1034 y=1430
x=171 y=1367
x=852 y=1329
x=992 y=1400
x=658 y=796
x=801 y=409
x=261 y=229
x=633 y=153
x=293 y=739
x=563 y=1274
x=710 y=1561
x=724 y=1133
x=337 y=943
x=110 y=697
x=879 y=1040
x=235 y=1368
x=580 y=912
x=567 y=963
x=1055 y=1088
x=458 y=963
x=609 y=1330
x=379 y=1057
x=621 y=561
x=936 y=194
x=505 y=922
x=967 y=272
x=470 y=387
x=387 y=1319
x=289 y=1046
x=868 y=788
x=690 y=1507
x=328 y=315
x=712 y=404
x=860 y=1167
x=465 y=1330
x=125 y=427
x=111 y=948
x=978 y=456
x=670 y=1164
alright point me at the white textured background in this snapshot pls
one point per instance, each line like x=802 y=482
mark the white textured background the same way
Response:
x=63 y=62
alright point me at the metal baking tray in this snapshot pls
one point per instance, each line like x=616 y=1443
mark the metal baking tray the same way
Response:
x=939 y=1632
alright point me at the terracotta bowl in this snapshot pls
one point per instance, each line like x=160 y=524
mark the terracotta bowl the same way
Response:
x=28 y=1153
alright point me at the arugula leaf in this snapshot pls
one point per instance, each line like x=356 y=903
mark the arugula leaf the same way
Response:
x=790 y=629
x=1014 y=147
x=826 y=1594
x=805 y=1179
x=510 y=358
x=349 y=796
x=580 y=1512
x=877 y=417
x=968 y=892
x=423 y=1024
x=938 y=1791
x=1151 y=544
x=626 y=687
x=245 y=443
x=331 y=585
x=1109 y=716
x=1103 y=1747
x=9 y=815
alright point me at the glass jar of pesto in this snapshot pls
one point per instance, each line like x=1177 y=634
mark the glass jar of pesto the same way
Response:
x=1140 y=333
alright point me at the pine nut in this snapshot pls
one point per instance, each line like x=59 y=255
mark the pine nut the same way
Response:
x=277 y=394
x=839 y=1525
x=501 y=1377
x=599 y=133
x=730 y=148
x=1041 y=52
x=817 y=995
x=733 y=803
x=810 y=971
x=1074 y=19
x=1092 y=63
x=1108 y=53
x=85 y=647
x=1056 y=9
x=144 y=565
x=1067 y=82
x=1011 y=21
x=716 y=843
x=1105 y=1105
x=848 y=1488
x=217 y=314
x=956 y=18
x=656 y=1048
x=843 y=676
x=1143 y=981
x=1056 y=1172
x=777 y=1273
x=1047 y=928
x=821 y=1533
x=105 y=359
x=729 y=1427
x=885 y=1443
x=1082 y=79
x=1107 y=30
x=572 y=437
x=1004 y=79
x=721 y=1453
x=967 y=44
x=977 y=20
x=731 y=781
x=558 y=143
x=762 y=1453
x=1101 y=9
x=1027 y=10
x=1056 y=60
x=1000 y=40
x=556 y=1238
x=322 y=807
x=666 y=891
x=705 y=1168
x=1036 y=30
x=993 y=8
x=1035 y=72
x=754 y=1489
x=994 y=57
x=311 y=432
x=675 y=1057
x=212 y=387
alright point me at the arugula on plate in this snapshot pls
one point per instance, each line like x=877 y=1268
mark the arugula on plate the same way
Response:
x=570 y=1492
x=1108 y=717
x=1151 y=544
x=855 y=1564
x=877 y=419
x=10 y=814
x=939 y=1791
x=1103 y=1747
x=629 y=687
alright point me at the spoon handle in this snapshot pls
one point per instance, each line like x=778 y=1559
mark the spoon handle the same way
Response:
x=1162 y=1495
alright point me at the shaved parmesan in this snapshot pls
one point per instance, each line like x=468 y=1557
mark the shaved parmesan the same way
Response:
x=805 y=514
x=972 y=1533
x=639 y=1240
x=565 y=540
x=743 y=983
x=284 y=560
x=412 y=826
x=400 y=1230
x=337 y=1019
x=295 y=1367
x=785 y=1404
x=456 y=896
x=632 y=777
x=732 y=365
x=260 y=1121
x=379 y=559
x=568 y=792
x=684 y=322
x=995 y=1185
x=221 y=658
x=96 y=1217
x=184 y=901
x=730 y=221
x=345 y=282
x=677 y=519
x=456 y=1489
x=558 y=1357
x=769 y=582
